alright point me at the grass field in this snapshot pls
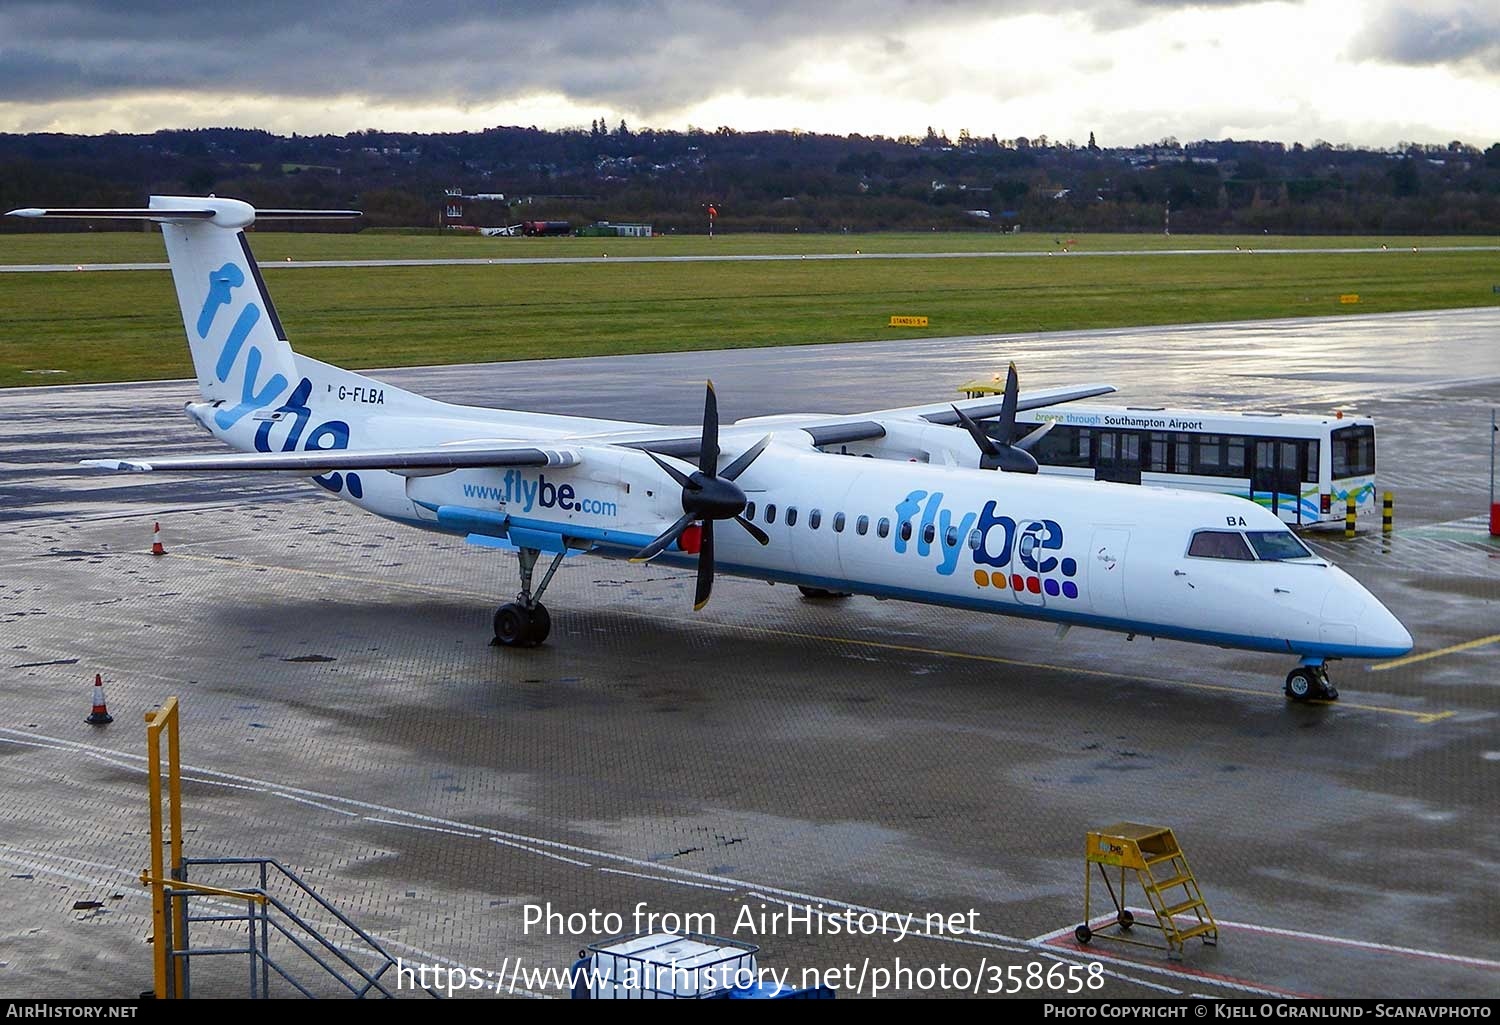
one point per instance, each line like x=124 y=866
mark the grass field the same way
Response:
x=125 y=325
x=143 y=247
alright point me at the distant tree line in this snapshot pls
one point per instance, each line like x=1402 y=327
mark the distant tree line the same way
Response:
x=780 y=181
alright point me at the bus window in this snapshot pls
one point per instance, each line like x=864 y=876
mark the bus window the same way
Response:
x=1156 y=453
x=1220 y=544
x=1235 y=456
x=1060 y=447
x=1276 y=545
x=1182 y=453
x=1210 y=456
x=1310 y=474
x=1353 y=451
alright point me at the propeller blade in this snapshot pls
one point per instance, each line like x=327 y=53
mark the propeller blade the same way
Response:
x=753 y=530
x=987 y=445
x=1008 y=404
x=1027 y=443
x=705 y=567
x=683 y=480
x=708 y=449
x=664 y=539
x=742 y=463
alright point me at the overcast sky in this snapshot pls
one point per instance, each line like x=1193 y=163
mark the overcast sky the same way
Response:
x=1371 y=73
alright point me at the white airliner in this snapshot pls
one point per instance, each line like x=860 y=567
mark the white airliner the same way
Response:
x=924 y=517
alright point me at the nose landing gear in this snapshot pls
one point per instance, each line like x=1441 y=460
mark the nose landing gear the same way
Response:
x=525 y=622
x=1309 y=682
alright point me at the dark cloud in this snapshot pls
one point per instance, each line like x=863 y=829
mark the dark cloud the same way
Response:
x=1441 y=33
x=650 y=56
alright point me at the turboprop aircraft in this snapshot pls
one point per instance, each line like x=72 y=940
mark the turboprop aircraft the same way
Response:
x=939 y=510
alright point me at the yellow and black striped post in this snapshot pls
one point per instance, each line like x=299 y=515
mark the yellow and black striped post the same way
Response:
x=1387 y=513
x=1349 y=510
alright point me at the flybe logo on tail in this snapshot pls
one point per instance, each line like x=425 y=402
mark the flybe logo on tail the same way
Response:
x=221 y=286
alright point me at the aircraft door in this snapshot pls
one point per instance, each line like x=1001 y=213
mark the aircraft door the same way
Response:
x=1106 y=571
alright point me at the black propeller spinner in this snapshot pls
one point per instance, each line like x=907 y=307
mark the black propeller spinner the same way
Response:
x=707 y=495
x=1009 y=451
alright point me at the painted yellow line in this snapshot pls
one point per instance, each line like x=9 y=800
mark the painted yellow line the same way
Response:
x=1424 y=718
x=1452 y=649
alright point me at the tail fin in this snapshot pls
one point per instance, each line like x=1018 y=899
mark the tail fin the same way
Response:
x=240 y=351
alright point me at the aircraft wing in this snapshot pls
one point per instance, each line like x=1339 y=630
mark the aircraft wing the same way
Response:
x=831 y=430
x=317 y=463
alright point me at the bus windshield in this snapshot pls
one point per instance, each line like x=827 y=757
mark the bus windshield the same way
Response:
x=1353 y=451
x=1277 y=545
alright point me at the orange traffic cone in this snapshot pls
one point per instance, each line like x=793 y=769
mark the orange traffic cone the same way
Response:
x=156 y=548
x=100 y=715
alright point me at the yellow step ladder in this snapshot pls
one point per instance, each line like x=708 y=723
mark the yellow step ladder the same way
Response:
x=1161 y=871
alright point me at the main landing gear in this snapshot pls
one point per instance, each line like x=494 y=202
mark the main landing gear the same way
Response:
x=525 y=623
x=1309 y=682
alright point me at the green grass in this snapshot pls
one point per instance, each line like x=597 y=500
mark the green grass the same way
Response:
x=125 y=325
x=276 y=247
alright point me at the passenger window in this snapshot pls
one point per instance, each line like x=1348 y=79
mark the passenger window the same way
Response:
x=862 y=526
x=770 y=514
x=906 y=530
x=951 y=537
x=975 y=537
x=814 y=519
x=838 y=523
x=750 y=511
x=791 y=516
x=1220 y=544
x=929 y=533
x=883 y=528
x=1276 y=545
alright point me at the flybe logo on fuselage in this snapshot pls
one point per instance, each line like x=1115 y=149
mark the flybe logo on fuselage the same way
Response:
x=1025 y=554
x=331 y=434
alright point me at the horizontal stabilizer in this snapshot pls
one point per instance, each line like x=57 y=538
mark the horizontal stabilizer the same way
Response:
x=120 y=213
x=317 y=463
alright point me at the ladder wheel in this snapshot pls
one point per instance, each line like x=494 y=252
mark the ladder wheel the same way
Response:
x=1124 y=919
x=1083 y=934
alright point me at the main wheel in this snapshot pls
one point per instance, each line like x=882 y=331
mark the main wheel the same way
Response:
x=1302 y=684
x=511 y=623
x=538 y=626
x=819 y=594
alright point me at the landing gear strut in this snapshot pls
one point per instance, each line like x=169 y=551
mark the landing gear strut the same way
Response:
x=525 y=623
x=1309 y=682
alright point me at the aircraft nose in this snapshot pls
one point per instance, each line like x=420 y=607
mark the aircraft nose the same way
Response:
x=1381 y=630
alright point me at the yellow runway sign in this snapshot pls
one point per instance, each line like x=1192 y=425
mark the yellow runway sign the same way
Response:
x=908 y=322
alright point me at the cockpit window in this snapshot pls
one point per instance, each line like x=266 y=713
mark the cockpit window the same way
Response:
x=1220 y=544
x=1275 y=545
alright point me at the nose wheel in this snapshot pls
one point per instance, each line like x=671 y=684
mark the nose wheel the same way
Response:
x=525 y=622
x=1310 y=683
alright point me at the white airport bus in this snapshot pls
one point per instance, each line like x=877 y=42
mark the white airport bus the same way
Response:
x=1300 y=467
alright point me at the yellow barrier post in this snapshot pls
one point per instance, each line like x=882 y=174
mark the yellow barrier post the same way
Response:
x=1349 y=511
x=162 y=720
x=1387 y=513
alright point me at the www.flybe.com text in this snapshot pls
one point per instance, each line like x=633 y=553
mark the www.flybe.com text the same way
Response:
x=515 y=489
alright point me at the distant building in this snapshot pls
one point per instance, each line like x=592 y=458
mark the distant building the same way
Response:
x=604 y=229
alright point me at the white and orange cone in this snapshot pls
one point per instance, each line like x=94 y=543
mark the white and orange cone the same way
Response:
x=100 y=715
x=156 y=548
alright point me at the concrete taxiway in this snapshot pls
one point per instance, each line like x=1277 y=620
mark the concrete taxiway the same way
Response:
x=344 y=714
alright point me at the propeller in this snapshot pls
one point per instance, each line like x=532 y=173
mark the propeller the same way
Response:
x=707 y=495
x=1007 y=452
